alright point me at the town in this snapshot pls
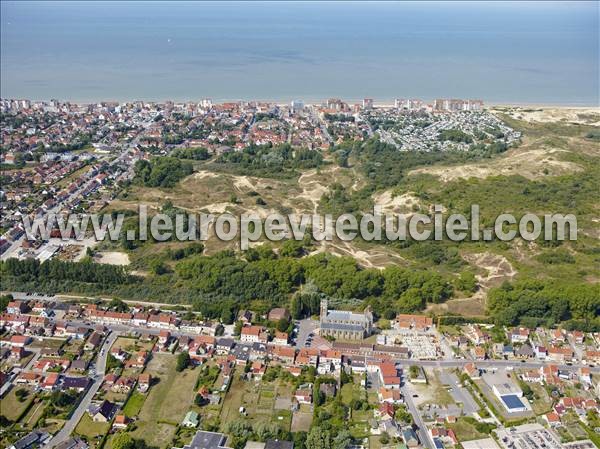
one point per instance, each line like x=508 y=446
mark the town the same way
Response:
x=86 y=373
x=60 y=158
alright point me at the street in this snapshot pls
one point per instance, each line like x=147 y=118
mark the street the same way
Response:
x=64 y=433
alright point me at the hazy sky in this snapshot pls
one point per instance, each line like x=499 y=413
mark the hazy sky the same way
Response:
x=502 y=52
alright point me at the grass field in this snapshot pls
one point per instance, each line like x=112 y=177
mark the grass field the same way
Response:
x=134 y=404
x=167 y=403
x=11 y=406
x=465 y=431
x=259 y=401
x=90 y=429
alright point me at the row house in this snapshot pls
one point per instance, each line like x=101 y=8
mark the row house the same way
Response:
x=389 y=395
x=519 y=335
x=280 y=338
x=252 y=334
x=560 y=354
x=416 y=322
x=283 y=354
x=162 y=321
x=330 y=360
x=307 y=357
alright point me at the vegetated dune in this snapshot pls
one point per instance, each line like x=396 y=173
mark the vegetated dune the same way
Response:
x=398 y=204
x=528 y=160
x=582 y=116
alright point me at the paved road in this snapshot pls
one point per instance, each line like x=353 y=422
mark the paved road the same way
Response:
x=422 y=431
x=459 y=393
x=64 y=433
x=457 y=363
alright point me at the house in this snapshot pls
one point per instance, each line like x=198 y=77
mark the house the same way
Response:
x=560 y=354
x=520 y=335
x=121 y=422
x=19 y=341
x=138 y=361
x=16 y=307
x=541 y=352
x=329 y=360
x=410 y=437
x=328 y=389
x=385 y=411
x=93 y=341
x=118 y=354
x=553 y=419
x=391 y=396
x=281 y=338
x=50 y=382
x=304 y=394
x=525 y=351
x=472 y=371
x=254 y=334
x=72 y=443
x=17 y=352
x=144 y=381
x=284 y=354
x=278 y=313
x=123 y=385
x=245 y=316
x=79 y=365
x=585 y=375
x=191 y=419
x=207 y=440
x=27 y=378
x=224 y=345
x=103 y=412
x=479 y=353
x=257 y=370
x=279 y=444
x=417 y=322
x=77 y=384
x=163 y=337
x=37 y=438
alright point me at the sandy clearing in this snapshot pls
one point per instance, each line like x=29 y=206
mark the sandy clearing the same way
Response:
x=583 y=116
x=498 y=269
x=371 y=259
x=395 y=204
x=112 y=258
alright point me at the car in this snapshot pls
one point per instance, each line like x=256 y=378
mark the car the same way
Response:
x=415 y=395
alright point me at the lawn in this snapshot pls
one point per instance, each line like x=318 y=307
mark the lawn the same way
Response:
x=90 y=429
x=465 y=431
x=167 y=402
x=134 y=404
x=10 y=405
x=541 y=401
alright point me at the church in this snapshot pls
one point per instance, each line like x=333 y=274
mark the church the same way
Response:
x=344 y=325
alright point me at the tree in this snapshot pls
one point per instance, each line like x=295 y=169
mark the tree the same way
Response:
x=183 y=361
x=123 y=440
x=4 y=300
x=118 y=305
x=318 y=438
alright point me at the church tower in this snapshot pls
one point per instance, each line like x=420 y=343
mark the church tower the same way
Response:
x=323 y=309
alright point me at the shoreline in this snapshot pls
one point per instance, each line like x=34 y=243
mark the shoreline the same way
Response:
x=381 y=104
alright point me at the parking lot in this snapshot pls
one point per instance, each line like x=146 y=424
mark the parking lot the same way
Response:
x=305 y=329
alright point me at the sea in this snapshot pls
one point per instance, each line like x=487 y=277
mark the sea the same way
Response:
x=501 y=52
